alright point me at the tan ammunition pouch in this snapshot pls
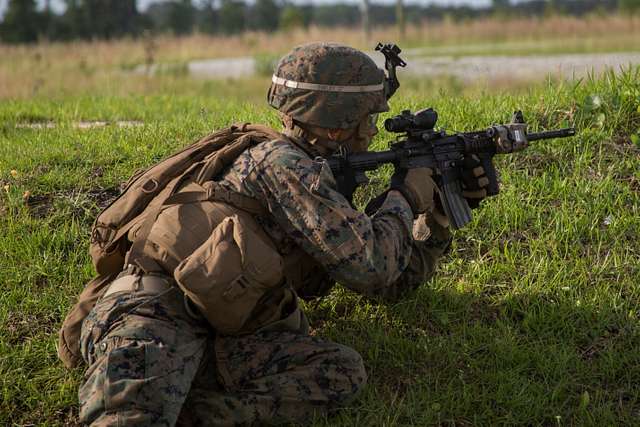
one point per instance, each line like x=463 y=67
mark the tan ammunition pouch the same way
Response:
x=231 y=273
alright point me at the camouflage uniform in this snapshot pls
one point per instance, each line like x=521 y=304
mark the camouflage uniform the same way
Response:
x=149 y=359
x=152 y=362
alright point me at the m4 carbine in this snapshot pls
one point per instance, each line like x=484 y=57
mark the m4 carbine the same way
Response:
x=421 y=145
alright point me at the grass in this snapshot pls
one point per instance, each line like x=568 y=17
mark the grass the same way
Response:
x=533 y=317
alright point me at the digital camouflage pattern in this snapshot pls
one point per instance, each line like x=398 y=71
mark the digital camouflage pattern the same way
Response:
x=151 y=364
x=329 y=64
x=273 y=377
x=383 y=253
x=143 y=352
x=366 y=254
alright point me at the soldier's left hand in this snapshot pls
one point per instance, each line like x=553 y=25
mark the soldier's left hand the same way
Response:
x=474 y=181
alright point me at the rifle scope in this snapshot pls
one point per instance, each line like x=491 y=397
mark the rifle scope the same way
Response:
x=422 y=120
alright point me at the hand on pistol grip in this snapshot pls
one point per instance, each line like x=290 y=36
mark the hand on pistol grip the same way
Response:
x=417 y=186
x=420 y=190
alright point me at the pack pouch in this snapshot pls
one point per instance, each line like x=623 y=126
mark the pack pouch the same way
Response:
x=143 y=198
x=229 y=275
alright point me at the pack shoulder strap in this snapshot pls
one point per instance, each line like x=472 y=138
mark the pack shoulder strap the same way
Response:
x=144 y=196
x=216 y=192
x=211 y=166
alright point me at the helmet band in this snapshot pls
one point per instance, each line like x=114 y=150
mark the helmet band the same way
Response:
x=325 y=88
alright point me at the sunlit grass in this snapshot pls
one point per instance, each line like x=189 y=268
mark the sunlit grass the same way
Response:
x=532 y=318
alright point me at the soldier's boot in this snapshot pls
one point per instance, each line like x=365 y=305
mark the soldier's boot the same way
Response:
x=272 y=378
x=143 y=351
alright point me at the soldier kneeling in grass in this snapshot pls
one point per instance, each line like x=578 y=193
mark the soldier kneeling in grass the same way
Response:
x=193 y=318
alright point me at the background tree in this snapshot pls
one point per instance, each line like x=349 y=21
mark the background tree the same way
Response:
x=47 y=20
x=551 y=7
x=116 y=18
x=207 y=19
x=232 y=16
x=181 y=17
x=264 y=16
x=111 y=18
x=73 y=23
x=500 y=7
x=291 y=18
x=630 y=6
x=103 y=19
x=336 y=15
x=365 y=11
x=21 y=22
x=400 y=22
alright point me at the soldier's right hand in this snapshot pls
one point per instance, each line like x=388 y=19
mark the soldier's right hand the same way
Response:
x=417 y=186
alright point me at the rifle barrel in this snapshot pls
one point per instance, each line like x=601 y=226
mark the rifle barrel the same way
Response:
x=560 y=133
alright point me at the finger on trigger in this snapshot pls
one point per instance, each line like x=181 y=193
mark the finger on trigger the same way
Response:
x=478 y=171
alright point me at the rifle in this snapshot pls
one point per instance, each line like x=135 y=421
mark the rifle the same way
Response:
x=421 y=145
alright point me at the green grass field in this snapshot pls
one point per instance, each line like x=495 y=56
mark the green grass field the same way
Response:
x=533 y=317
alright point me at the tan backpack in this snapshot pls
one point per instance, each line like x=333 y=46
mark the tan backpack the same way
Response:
x=140 y=203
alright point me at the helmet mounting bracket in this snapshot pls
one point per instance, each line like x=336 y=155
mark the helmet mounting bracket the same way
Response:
x=392 y=58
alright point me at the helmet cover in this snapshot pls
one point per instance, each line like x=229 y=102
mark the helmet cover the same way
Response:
x=328 y=85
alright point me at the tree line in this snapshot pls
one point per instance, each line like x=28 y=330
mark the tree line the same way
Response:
x=24 y=22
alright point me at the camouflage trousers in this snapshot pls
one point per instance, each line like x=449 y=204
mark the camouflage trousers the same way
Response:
x=150 y=363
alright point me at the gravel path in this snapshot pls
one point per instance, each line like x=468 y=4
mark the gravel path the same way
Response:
x=470 y=68
x=465 y=68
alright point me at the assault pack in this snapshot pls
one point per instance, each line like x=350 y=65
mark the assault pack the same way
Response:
x=144 y=196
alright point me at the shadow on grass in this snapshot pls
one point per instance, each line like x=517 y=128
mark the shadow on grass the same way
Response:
x=445 y=357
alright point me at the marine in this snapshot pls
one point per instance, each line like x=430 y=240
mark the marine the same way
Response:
x=202 y=325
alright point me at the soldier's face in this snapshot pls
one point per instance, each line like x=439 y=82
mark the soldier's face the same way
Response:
x=354 y=140
x=335 y=135
x=364 y=134
x=340 y=135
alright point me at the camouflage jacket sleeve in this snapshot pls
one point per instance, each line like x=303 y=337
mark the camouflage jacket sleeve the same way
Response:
x=366 y=254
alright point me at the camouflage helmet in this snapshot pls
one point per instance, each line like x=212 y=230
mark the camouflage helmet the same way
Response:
x=328 y=85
